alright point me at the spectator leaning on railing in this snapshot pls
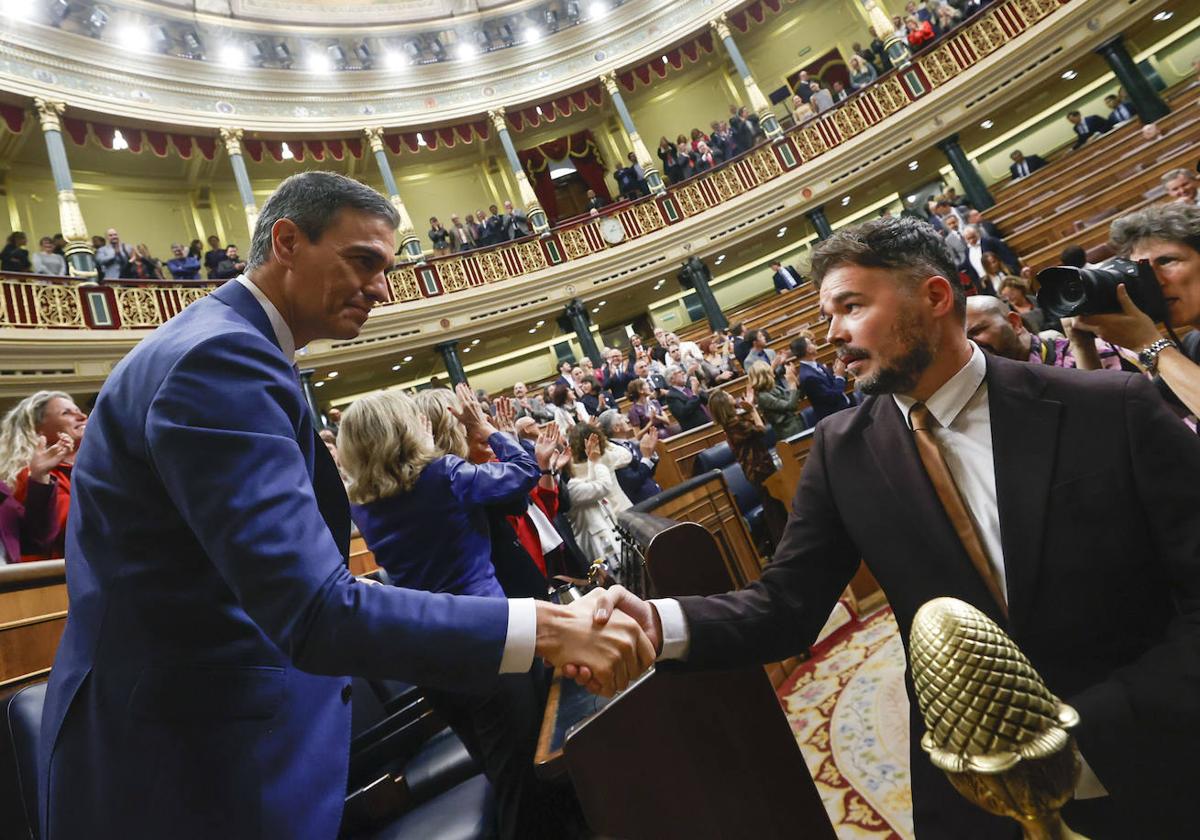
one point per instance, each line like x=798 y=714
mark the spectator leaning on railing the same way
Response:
x=46 y=261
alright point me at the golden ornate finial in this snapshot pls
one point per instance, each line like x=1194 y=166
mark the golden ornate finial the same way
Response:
x=991 y=724
x=232 y=138
x=374 y=138
x=720 y=25
x=609 y=80
x=49 y=111
x=496 y=115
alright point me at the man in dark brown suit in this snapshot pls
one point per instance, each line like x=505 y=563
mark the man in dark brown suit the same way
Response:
x=1085 y=522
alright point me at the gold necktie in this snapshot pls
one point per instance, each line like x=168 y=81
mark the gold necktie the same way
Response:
x=947 y=491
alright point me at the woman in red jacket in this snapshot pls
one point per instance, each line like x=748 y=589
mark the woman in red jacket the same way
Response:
x=920 y=32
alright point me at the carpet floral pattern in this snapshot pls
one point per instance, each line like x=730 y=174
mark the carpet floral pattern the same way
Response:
x=849 y=712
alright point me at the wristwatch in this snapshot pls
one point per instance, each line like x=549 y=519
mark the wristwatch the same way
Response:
x=1149 y=356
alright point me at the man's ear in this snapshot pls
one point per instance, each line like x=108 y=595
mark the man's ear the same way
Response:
x=939 y=294
x=1014 y=320
x=286 y=237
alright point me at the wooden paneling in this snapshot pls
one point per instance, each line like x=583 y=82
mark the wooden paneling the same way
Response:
x=677 y=453
x=33 y=612
x=362 y=560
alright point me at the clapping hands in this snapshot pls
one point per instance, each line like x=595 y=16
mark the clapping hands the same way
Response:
x=471 y=414
x=46 y=458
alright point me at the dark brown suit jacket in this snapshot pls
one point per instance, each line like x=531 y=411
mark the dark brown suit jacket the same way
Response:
x=1100 y=519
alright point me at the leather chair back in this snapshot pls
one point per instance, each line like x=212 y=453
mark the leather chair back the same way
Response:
x=18 y=761
x=714 y=458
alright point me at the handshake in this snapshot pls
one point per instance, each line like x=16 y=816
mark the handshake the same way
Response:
x=603 y=641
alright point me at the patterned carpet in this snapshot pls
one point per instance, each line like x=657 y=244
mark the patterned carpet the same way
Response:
x=849 y=711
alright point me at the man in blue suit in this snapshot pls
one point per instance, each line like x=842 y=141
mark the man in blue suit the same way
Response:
x=825 y=388
x=195 y=693
x=1087 y=127
x=785 y=277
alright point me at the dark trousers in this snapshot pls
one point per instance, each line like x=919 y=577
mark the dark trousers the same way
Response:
x=500 y=730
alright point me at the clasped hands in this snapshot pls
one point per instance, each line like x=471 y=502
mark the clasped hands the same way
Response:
x=603 y=641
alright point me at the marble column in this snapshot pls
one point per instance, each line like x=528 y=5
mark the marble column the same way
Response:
x=820 y=222
x=696 y=274
x=533 y=210
x=453 y=362
x=758 y=103
x=81 y=259
x=576 y=312
x=410 y=245
x=973 y=187
x=232 y=138
x=653 y=177
x=1142 y=95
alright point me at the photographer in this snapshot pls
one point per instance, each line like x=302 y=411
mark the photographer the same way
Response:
x=1168 y=236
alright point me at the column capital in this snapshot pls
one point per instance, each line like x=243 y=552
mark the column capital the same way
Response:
x=720 y=25
x=49 y=111
x=946 y=142
x=232 y=138
x=374 y=135
x=496 y=115
x=609 y=80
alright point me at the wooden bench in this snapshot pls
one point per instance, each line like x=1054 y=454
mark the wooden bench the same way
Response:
x=362 y=560
x=33 y=613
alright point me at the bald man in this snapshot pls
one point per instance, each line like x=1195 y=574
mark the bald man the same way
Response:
x=998 y=329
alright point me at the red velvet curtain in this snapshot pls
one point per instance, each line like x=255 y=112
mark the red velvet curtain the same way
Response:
x=582 y=150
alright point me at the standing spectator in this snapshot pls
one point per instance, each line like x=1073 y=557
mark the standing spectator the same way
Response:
x=1118 y=111
x=567 y=411
x=697 y=138
x=804 y=86
x=484 y=234
x=474 y=221
x=526 y=406
x=760 y=352
x=685 y=164
x=1024 y=166
x=718 y=360
x=497 y=225
x=593 y=399
x=645 y=411
x=954 y=241
x=745 y=129
x=15 y=257
x=113 y=258
x=143 y=266
x=879 y=48
x=60 y=245
x=97 y=243
x=1087 y=127
x=183 y=265
x=824 y=387
x=977 y=244
x=442 y=242
x=746 y=432
x=777 y=401
x=821 y=98
x=516 y=223
x=839 y=93
x=704 y=159
x=461 y=234
x=785 y=277
x=232 y=265
x=634 y=471
x=946 y=19
x=919 y=32
x=670 y=159
x=46 y=261
x=594 y=493
x=196 y=249
x=685 y=400
x=974 y=217
x=802 y=112
x=213 y=257
x=43 y=419
x=595 y=202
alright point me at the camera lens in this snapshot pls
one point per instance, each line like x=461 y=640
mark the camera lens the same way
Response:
x=1072 y=293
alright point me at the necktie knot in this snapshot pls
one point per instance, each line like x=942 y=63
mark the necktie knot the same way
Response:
x=920 y=418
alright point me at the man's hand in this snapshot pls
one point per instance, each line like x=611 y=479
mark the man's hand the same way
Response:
x=1131 y=328
x=839 y=367
x=506 y=414
x=649 y=442
x=471 y=414
x=546 y=446
x=612 y=652
x=616 y=601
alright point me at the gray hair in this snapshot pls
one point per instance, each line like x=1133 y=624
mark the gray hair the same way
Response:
x=1168 y=222
x=312 y=200
x=672 y=370
x=1180 y=173
x=608 y=420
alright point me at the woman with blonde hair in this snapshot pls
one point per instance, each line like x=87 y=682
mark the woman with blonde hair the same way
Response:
x=776 y=401
x=593 y=491
x=42 y=423
x=746 y=432
x=422 y=513
x=449 y=435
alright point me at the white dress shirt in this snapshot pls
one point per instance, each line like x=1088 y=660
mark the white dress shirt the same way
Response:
x=975 y=255
x=521 y=637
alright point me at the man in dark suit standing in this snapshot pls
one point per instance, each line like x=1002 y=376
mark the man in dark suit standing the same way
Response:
x=685 y=401
x=1087 y=127
x=1022 y=166
x=1118 y=111
x=196 y=690
x=1083 y=539
x=785 y=277
x=825 y=387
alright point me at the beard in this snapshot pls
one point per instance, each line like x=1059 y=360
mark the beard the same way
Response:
x=897 y=374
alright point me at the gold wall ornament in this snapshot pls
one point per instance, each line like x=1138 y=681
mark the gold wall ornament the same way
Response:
x=609 y=80
x=991 y=723
x=70 y=217
x=374 y=135
x=720 y=25
x=49 y=112
x=496 y=115
x=232 y=138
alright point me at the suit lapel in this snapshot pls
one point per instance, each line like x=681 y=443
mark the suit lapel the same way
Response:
x=1024 y=443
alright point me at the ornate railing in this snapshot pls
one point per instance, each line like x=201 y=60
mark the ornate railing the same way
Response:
x=135 y=305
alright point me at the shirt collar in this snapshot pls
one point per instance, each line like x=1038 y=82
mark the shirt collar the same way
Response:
x=948 y=401
x=283 y=333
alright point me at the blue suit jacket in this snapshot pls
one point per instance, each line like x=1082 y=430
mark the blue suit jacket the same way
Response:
x=194 y=692
x=826 y=392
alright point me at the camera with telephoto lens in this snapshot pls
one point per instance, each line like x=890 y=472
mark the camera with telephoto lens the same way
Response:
x=1067 y=291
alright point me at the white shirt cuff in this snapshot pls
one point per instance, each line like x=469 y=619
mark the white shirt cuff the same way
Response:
x=521 y=639
x=649 y=462
x=676 y=639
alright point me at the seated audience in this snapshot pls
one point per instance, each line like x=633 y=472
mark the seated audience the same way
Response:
x=685 y=399
x=232 y=266
x=1168 y=236
x=183 y=266
x=635 y=475
x=785 y=277
x=400 y=484
x=596 y=496
x=1086 y=128
x=1119 y=111
x=1024 y=166
x=824 y=387
x=746 y=432
x=1182 y=185
x=1016 y=291
x=593 y=399
x=15 y=256
x=42 y=420
x=994 y=326
x=47 y=260
x=862 y=72
x=777 y=401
